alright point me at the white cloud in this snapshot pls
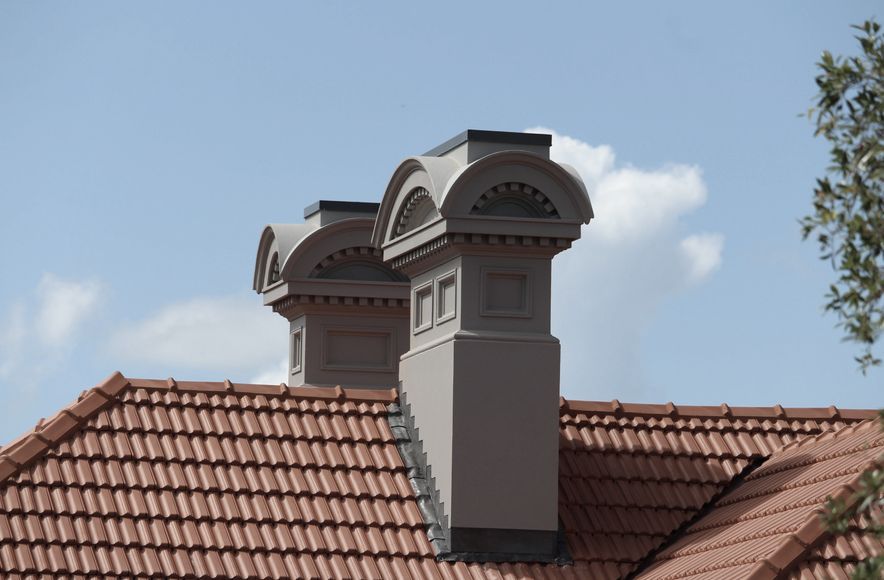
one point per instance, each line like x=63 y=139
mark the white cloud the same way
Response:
x=39 y=334
x=224 y=336
x=633 y=256
x=232 y=337
x=634 y=204
x=278 y=373
x=703 y=254
x=63 y=306
x=630 y=204
x=593 y=162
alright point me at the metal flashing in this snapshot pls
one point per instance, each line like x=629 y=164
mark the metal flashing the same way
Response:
x=402 y=427
x=435 y=521
x=521 y=542
x=481 y=136
x=344 y=206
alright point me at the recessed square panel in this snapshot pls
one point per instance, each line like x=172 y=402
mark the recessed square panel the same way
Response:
x=295 y=355
x=446 y=297
x=506 y=293
x=357 y=349
x=422 y=306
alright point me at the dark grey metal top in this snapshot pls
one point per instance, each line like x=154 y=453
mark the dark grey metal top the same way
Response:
x=345 y=206
x=477 y=135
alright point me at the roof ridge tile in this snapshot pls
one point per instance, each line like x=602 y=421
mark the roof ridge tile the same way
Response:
x=723 y=410
x=46 y=434
x=305 y=392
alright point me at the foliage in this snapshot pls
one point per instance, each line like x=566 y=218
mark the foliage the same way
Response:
x=863 y=509
x=848 y=218
x=848 y=222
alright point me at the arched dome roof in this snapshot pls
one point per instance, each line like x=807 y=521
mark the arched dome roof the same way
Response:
x=455 y=189
x=335 y=251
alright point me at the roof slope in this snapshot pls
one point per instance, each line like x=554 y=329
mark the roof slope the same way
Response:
x=771 y=520
x=836 y=556
x=631 y=474
x=163 y=479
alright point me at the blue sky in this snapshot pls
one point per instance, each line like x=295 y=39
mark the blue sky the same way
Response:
x=144 y=145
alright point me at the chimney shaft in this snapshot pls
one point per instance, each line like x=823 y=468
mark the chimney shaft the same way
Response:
x=347 y=310
x=475 y=226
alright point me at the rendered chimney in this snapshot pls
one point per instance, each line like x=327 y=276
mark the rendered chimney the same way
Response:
x=347 y=310
x=475 y=224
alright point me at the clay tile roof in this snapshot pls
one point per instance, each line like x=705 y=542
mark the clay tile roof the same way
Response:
x=175 y=479
x=630 y=475
x=770 y=521
x=836 y=556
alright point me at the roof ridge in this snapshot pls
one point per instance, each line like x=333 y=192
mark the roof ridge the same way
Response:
x=281 y=390
x=723 y=410
x=828 y=434
x=798 y=543
x=47 y=433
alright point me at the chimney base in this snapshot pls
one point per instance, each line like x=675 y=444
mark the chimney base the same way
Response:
x=491 y=544
x=469 y=544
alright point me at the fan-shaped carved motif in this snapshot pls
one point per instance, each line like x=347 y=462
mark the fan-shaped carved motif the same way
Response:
x=359 y=263
x=273 y=272
x=417 y=210
x=515 y=200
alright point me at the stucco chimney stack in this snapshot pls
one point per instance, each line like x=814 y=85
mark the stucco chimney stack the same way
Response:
x=474 y=224
x=347 y=310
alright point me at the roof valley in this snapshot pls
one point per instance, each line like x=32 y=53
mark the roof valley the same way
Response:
x=310 y=482
x=678 y=533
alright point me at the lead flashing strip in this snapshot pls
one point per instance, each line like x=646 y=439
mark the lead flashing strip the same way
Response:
x=433 y=513
x=416 y=473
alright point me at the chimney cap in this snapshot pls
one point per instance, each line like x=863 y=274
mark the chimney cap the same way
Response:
x=341 y=206
x=481 y=136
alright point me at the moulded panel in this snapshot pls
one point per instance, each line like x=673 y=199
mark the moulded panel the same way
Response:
x=506 y=292
x=297 y=335
x=446 y=296
x=295 y=354
x=423 y=307
x=364 y=349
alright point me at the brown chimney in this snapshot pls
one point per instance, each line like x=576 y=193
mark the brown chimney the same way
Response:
x=347 y=310
x=475 y=224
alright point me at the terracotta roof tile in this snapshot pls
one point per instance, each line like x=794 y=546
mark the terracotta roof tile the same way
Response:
x=836 y=556
x=175 y=478
x=770 y=521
